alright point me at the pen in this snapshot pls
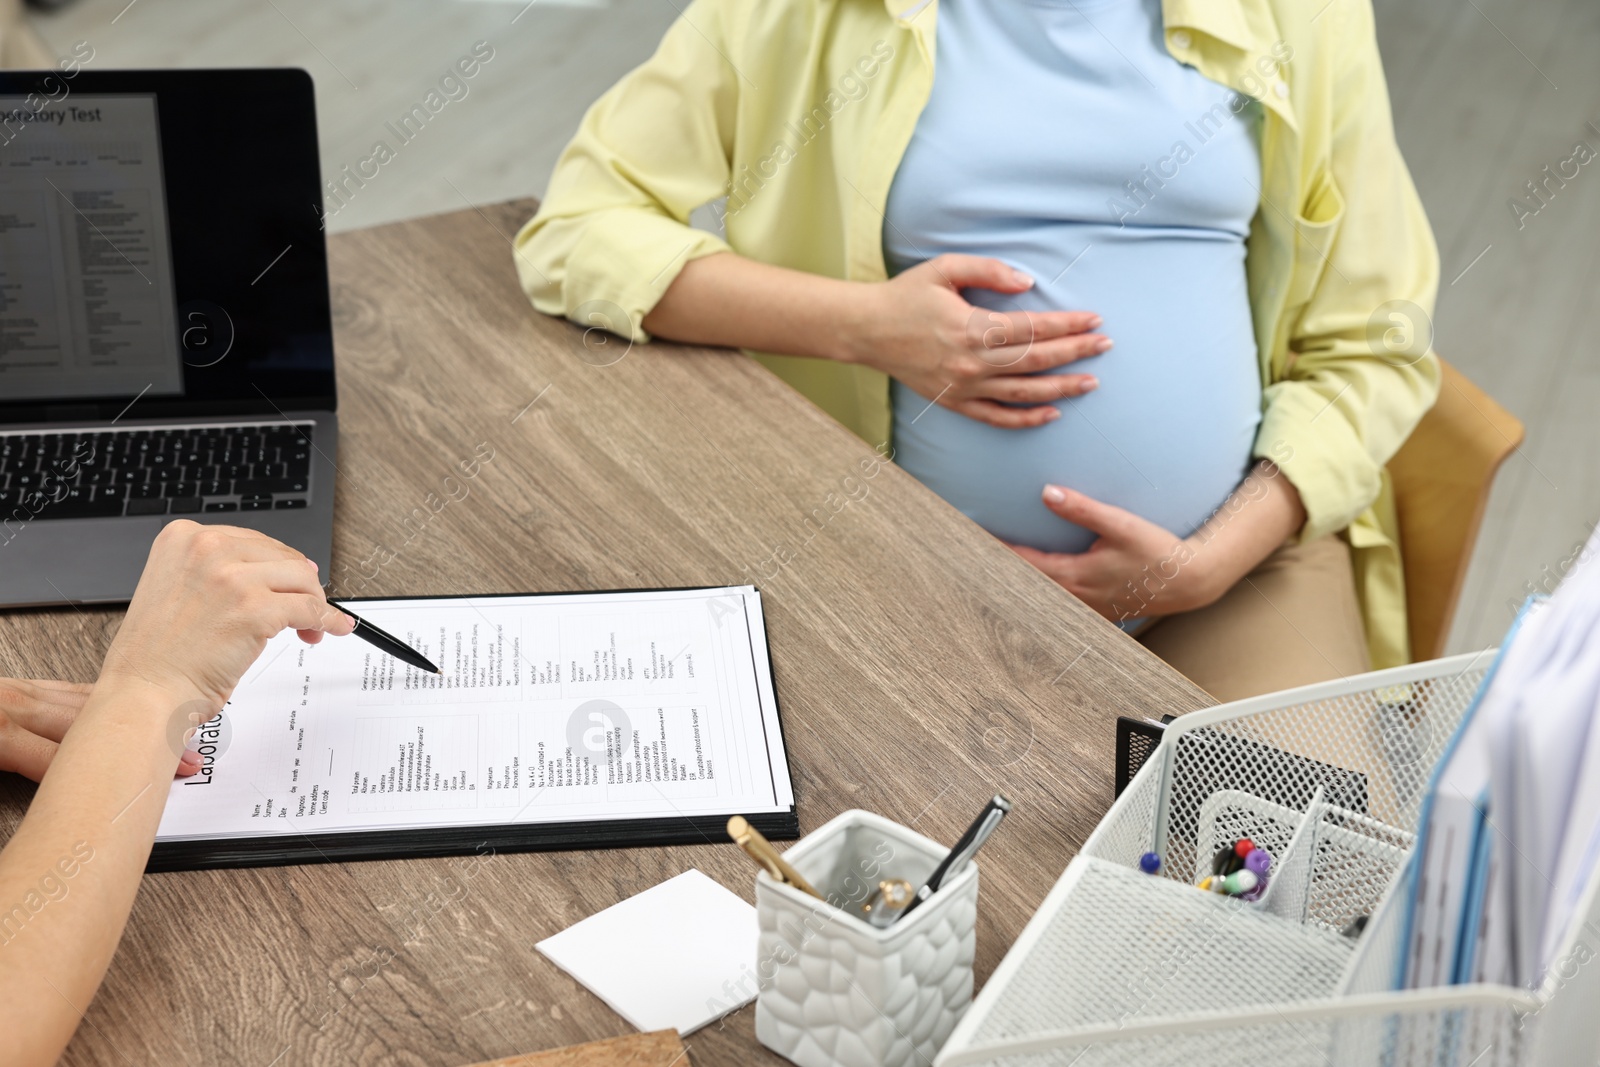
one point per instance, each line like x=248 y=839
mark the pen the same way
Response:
x=386 y=642
x=760 y=849
x=954 y=863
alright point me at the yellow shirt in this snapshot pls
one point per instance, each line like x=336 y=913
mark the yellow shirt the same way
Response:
x=798 y=111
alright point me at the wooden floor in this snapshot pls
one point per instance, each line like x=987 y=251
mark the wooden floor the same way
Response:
x=373 y=59
x=1485 y=93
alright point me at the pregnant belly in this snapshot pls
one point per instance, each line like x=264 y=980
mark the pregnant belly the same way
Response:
x=1168 y=434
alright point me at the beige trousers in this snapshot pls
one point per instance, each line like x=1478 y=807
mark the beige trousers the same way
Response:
x=1292 y=621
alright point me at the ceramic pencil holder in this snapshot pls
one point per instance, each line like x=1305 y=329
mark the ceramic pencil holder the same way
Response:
x=838 y=992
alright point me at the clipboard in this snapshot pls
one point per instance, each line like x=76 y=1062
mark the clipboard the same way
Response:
x=389 y=730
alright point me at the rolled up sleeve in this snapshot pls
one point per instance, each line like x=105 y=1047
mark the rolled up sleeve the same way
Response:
x=1361 y=373
x=613 y=228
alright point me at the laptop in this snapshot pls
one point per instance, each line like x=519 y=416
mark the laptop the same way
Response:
x=166 y=348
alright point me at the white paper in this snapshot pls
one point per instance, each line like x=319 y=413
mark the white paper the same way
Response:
x=1524 y=769
x=1548 y=743
x=551 y=709
x=1459 y=807
x=1580 y=851
x=1568 y=852
x=679 y=954
x=1455 y=820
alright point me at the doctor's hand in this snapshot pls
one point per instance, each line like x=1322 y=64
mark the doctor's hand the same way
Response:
x=918 y=329
x=1134 y=569
x=208 y=602
x=35 y=714
x=34 y=717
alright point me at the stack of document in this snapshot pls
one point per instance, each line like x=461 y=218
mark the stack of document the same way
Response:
x=1510 y=827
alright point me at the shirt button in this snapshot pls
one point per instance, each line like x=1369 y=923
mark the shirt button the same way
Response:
x=1282 y=89
x=1181 y=39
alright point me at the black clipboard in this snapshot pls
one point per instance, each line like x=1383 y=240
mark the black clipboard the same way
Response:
x=346 y=846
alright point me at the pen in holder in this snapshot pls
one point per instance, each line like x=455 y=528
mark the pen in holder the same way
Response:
x=837 y=990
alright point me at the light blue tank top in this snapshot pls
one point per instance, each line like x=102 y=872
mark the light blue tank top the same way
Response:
x=1042 y=114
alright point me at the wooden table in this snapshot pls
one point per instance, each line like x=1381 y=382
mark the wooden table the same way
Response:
x=920 y=666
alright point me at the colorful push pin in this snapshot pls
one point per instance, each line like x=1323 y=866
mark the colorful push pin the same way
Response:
x=1150 y=863
x=1230 y=858
x=1255 y=894
x=1258 y=863
x=1236 y=884
x=1239 y=883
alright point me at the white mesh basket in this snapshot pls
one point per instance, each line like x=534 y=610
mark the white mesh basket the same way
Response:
x=1121 y=967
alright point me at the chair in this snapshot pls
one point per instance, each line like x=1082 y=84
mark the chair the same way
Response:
x=1442 y=476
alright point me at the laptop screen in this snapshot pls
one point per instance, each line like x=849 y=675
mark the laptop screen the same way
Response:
x=85 y=253
x=161 y=246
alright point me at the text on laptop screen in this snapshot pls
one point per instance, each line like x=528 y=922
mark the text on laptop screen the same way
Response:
x=86 y=282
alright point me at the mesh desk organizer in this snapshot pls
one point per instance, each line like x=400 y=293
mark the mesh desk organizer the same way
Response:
x=1123 y=967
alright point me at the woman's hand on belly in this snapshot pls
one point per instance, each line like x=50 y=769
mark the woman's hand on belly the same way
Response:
x=918 y=329
x=1136 y=569
x=1133 y=569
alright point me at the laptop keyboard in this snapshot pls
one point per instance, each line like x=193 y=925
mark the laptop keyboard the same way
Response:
x=171 y=470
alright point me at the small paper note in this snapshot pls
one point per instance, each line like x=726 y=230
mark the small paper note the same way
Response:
x=678 y=955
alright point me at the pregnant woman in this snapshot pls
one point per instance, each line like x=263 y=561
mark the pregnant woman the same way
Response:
x=1139 y=287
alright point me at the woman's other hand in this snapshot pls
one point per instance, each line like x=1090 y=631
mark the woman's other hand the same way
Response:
x=1136 y=569
x=920 y=330
x=210 y=599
